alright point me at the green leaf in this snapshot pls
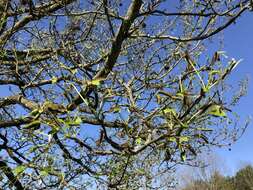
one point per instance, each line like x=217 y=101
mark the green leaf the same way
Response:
x=54 y=130
x=158 y=98
x=47 y=169
x=78 y=121
x=183 y=139
x=43 y=173
x=141 y=171
x=73 y=122
x=138 y=141
x=95 y=82
x=216 y=110
x=54 y=80
x=33 y=125
x=115 y=109
x=180 y=95
x=32 y=149
x=214 y=72
x=170 y=111
x=19 y=169
x=73 y=71
x=206 y=88
x=50 y=106
x=172 y=139
x=183 y=156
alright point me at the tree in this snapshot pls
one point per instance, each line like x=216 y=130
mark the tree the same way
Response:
x=208 y=176
x=216 y=182
x=112 y=94
x=219 y=182
x=243 y=178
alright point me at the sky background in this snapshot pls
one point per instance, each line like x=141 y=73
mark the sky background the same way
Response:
x=238 y=43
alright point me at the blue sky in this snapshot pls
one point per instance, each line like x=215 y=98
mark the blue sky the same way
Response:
x=239 y=44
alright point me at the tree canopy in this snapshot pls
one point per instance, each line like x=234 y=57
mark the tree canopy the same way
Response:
x=241 y=180
x=112 y=94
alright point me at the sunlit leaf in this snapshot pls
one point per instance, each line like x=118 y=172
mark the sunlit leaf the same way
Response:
x=206 y=88
x=169 y=111
x=33 y=125
x=115 y=109
x=54 y=129
x=95 y=82
x=180 y=95
x=183 y=156
x=158 y=98
x=172 y=139
x=73 y=71
x=43 y=173
x=183 y=139
x=216 y=110
x=54 y=80
x=19 y=169
x=214 y=72
x=141 y=171
x=77 y=121
x=138 y=141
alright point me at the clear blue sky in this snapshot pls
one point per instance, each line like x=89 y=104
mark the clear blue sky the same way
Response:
x=239 y=44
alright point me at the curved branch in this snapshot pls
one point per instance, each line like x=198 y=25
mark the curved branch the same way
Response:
x=38 y=13
x=10 y=175
x=18 y=99
x=122 y=34
x=198 y=37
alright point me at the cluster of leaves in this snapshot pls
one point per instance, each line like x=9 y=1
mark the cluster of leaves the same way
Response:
x=111 y=93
